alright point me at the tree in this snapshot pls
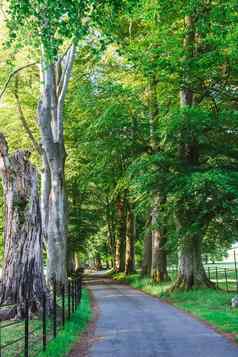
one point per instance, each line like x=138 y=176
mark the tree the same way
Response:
x=195 y=45
x=130 y=242
x=50 y=24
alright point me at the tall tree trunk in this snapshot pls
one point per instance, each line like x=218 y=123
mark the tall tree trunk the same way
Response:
x=98 y=262
x=45 y=194
x=70 y=262
x=73 y=215
x=147 y=254
x=191 y=272
x=54 y=79
x=117 y=258
x=77 y=261
x=120 y=241
x=159 y=254
x=56 y=228
x=130 y=242
x=110 y=216
x=22 y=274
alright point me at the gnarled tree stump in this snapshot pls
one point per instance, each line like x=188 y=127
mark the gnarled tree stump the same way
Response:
x=22 y=275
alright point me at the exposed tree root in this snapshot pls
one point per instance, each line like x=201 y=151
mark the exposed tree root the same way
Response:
x=161 y=277
x=193 y=283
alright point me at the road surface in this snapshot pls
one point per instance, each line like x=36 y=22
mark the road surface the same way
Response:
x=133 y=324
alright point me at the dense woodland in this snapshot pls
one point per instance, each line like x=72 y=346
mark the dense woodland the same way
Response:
x=129 y=112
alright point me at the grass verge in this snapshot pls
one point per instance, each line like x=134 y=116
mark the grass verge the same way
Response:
x=212 y=306
x=66 y=338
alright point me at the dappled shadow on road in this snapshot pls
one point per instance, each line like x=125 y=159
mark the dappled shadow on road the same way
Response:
x=99 y=278
x=97 y=281
x=127 y=322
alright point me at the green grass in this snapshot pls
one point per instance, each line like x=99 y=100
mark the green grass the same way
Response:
x=145 y=284
x=209 y=305
x=58 y=347
x=66 y=338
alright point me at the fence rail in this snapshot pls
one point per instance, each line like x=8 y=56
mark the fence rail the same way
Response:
x=224 y=278
x=223 y=274
x=30 y=336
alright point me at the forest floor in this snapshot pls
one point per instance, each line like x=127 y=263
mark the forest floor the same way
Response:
x=132 y=323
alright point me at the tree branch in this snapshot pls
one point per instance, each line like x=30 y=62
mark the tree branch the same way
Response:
x=63 y=62
x=24 y=122
x=12 y=74
x=44 y=108
x=69 y=59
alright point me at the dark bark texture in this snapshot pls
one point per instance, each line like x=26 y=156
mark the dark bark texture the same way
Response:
x=147 y=255
x=120 y=241
x=159 y=252
x=22 y=274
x=159 y=271
x=130 y=243
x=191 y=271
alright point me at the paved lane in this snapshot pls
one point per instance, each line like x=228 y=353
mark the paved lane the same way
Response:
x=133 y=324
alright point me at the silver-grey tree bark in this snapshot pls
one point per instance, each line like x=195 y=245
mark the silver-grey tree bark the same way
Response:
x=55 y=78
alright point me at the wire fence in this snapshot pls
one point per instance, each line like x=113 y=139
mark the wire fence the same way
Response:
x=223 y=277
x=30 y=335
x=223 y=274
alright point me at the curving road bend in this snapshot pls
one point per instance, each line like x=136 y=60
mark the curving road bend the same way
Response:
x=133 y=324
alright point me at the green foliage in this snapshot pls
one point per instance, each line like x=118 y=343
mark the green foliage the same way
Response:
x=124 y=94
x=48 y=22
x=98 y=245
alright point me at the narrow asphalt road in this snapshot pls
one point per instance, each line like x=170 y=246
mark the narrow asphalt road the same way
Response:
x=133 y=324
